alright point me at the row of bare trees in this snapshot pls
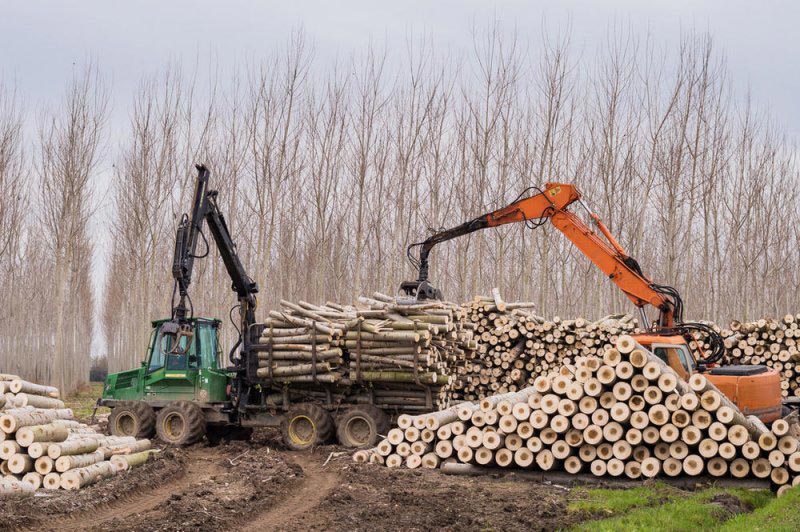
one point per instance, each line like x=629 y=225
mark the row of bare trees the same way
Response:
x=326 y=174
x=47 y=310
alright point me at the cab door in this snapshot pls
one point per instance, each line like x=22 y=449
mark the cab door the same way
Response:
x=170 y=376
x=212 y=380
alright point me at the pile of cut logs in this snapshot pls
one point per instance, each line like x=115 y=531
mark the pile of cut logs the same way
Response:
x=624 y=414
x=419 y=357
x=399 y=355
x=515 y=345
x=41 y=446
x=768 y=341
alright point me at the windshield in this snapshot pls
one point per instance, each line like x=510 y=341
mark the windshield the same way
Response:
x=676 y=357
x=162 y=358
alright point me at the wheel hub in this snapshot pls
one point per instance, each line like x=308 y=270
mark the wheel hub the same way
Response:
x=174 y=425
x=302 y=430
x=126 y=424
x=359 y=430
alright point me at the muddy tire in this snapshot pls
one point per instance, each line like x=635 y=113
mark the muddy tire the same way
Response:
x=306 y=425
x=180 y=423
x=132 y=418
x=361 y=426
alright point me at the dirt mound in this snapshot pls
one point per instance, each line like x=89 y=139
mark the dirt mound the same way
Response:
x=729 y=506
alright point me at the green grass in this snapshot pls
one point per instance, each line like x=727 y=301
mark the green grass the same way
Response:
x=778 y=515
x=82 y=402
x=616 y=501
x=661 y=507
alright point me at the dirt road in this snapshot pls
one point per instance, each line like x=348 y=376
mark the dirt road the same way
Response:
x=259 y=486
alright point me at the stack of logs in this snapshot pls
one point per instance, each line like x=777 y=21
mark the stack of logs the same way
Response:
x=772 y=342
x=41 y=446
x=515 y=345
x=413 y=358
x=626 y=414
x=398 y=356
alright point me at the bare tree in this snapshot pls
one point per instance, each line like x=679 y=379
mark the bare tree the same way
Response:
x=70 y=140
x=327 y=175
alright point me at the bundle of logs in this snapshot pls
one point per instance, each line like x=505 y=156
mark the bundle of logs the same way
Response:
x=515 y=345
x=625 y=414
x=42 y=446
x=772 y=342
x=396 y=356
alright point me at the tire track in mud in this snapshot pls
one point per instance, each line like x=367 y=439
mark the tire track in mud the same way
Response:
x=315 y=486
x=200 y=467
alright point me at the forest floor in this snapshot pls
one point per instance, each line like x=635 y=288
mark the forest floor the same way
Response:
x=259 y=485
x=83 y=401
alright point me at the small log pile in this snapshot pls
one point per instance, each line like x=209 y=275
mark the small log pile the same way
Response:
x=515 y=345
x=625 y=414
x=771 y=342
x=397 y=356
x=42 y=446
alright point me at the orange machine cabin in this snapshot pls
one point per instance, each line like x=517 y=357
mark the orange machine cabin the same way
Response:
x=754 y=389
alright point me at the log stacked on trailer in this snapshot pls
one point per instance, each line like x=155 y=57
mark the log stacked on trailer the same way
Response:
x=42 y=446
x=625 y=414
x=397 y=356
x=515 y=345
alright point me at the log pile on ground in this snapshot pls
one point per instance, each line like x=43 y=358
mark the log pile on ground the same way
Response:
x=42 y=446
x=401 y=356
x=625 y=414
x=767 y=341
x=515 y=345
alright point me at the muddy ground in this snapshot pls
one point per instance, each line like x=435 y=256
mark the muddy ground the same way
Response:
x=258 y=485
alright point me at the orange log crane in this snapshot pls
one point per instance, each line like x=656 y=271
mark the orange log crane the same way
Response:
x=754 y=389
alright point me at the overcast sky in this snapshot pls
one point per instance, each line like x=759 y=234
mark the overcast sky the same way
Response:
x=42 y=42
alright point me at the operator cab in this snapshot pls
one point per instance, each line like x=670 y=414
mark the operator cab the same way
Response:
x=198 y=351
x=192 y=373
x=673 y=351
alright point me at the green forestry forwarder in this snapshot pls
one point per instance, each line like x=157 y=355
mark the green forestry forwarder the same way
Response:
x=183 y=390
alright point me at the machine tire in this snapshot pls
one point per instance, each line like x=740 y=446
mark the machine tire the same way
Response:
x=132 y=418
x=361 y=426
x=306 y=425
x=180 y=423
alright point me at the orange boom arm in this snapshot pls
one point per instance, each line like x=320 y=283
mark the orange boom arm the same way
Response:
x=551 y=204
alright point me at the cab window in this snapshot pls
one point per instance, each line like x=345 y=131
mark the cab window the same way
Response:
x=156 y=354
x=676 y=357
x=162 y=358
x=207 y=335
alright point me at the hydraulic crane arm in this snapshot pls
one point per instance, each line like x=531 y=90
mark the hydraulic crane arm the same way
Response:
x=551 y=204
x=205 y=209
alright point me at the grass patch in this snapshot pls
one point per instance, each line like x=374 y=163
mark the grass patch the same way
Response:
x=82 y=401
x=616 y=501
x=777 y=514
x=705 y=510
